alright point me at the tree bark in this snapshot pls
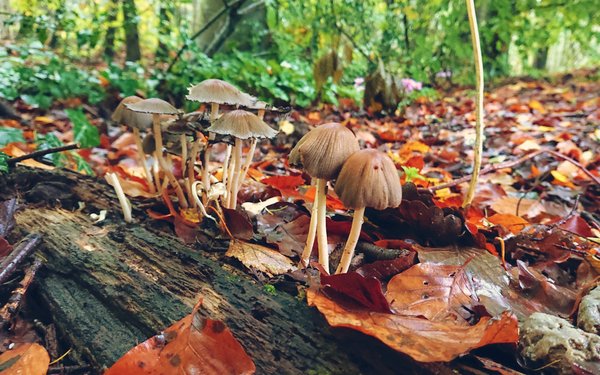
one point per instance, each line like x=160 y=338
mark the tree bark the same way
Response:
x=109 y=37
x=130 y=26
x=110 y=285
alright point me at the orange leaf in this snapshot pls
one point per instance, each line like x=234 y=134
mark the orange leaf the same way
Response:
x=193 y=345
x=511 y=222
x=30 y=359
x=422 y=339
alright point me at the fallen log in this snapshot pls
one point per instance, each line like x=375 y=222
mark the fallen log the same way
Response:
x=110 y=285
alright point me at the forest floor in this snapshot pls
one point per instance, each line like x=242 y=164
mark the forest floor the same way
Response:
x=528 y=243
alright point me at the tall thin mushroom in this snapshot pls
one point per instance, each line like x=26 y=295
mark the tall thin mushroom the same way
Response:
x=158 y=107
x=241 y=125
x=322 y=152
x=367 y=179
x=136 y=121
x=216 y=92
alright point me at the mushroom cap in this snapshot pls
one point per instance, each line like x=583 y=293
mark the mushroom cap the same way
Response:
x=323 y=150
x=154 y=106
x=242 y=124
x=124 y=115
x=220 y=92
x=369 y=179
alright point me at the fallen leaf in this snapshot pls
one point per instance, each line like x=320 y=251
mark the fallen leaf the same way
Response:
x=25 y=359
x=260 y=257
x=353 y=288
x=238 y=224
x=384 y=269
x=193 y=345
x=512 y=223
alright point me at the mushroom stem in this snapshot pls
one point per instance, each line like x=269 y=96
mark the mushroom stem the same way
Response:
x=156 y=174
x=248 y=161
x=199 y=204
x=233 y=190
x=321 y=201
x=190 y=169
x=142 y=160
x=357 y=222
x=113 y=180
x=226 y=164
x=214 y=113
x=261 y=113
x=161 y=161
x=312 y=231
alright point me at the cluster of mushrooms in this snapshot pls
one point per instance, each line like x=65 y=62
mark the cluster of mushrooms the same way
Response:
x=190 y=136
x=363 y=178
x=329 y=152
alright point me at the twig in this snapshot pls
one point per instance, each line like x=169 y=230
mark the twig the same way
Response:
x=16 y=257
x=375 y=252
x=512 y=163
x=69 y=369
x=202 y=30
x=40 y=153
x=8 y=311
x=7 y=219
x=478 y=147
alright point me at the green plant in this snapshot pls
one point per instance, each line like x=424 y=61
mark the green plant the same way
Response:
x=9 y=135
x=60 y=159
x=85 y=134
x=4 y=162
x=412 y=173
x=270 y=289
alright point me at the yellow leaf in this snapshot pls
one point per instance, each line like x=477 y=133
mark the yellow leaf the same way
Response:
x=260 y=257
x=30 y=359
x=537 y=106
x=44 y=119
x=286 y=127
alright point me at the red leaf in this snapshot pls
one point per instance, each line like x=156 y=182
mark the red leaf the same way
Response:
x=577 y=225
x=284 y=182
x=354 y=289
x=238 y=224
x=384 y=269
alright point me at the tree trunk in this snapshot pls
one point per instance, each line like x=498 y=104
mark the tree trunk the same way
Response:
x=109 y=37
x=130 y=26
x=110 y=285
x=165 y=15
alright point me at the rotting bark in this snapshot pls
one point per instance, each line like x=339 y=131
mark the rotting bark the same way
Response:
x=110 y=285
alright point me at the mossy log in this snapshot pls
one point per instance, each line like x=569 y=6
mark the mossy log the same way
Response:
x=110 y=285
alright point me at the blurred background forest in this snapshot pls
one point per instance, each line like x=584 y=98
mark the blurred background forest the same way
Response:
x=298 y=52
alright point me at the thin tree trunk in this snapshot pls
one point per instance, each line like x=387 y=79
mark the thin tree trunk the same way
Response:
x=130 y=25
x=109 y=38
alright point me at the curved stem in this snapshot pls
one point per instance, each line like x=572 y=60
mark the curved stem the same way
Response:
x=321 y=199
x=478 y=148
x=357 y=222
x=199 y=204
x=190 y=168
x=113 y=180
x=237 y=155
x=226 y=167
x=248 y=161
x=312 y=231
x=163 y=164
x=142 y=160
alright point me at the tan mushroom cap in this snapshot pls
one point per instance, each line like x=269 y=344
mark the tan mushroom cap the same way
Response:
x=124 y=115
x=220 y=92
x=154 y=106
x=242 y=124
x=369 y=179
x=323 y=150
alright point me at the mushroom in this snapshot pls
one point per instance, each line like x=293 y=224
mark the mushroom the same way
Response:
x=158 y=107
x=216 y=92
x=113 y=180
x=136 y=121
x=367 y=179
x=241 y=125
x=322 y=152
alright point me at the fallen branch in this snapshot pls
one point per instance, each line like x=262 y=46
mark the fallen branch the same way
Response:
x=512 y=163
x=40 y=153
x=18 y=255
x=8 y=311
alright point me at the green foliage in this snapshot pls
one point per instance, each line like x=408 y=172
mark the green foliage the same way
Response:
x=60 y=159
x=3 y=163
x=412 y=173
x=9 y=135
x=40 y=77
x=85 y=134
x=270 y=289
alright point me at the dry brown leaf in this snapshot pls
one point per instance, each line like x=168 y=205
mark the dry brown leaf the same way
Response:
x=25 y=359
x=260 y=257
x=508 y=205
x=514 y=224
x=422 y=339
x=193 y=345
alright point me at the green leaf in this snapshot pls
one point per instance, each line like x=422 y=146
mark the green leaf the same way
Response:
x=412 y=173
x=10 y=135
x=4 y=162
x=84 y=133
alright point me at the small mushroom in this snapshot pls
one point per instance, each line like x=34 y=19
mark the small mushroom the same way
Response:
x=113 y=180
x=367 y=179
x=136 y=121
x=322 y=152
x=216 y=92
x=241 y=125
x=158 y=107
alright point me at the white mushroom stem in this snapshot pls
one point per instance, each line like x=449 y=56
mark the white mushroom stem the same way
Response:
x=261 y=114
x=247 y=162
x=113 y=180
x=201 y=207
x=214 y=113
x=312 y=231
x=142 y=159
x=237 y=166
x=321 y=201
x=184 y=150
x=226 y=164
x=190 y=169
x=156 y=174
x=357 y=222
x=163 y=164
x=478 y=147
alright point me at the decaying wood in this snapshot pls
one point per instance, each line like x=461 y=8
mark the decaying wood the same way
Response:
x=110 y=285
